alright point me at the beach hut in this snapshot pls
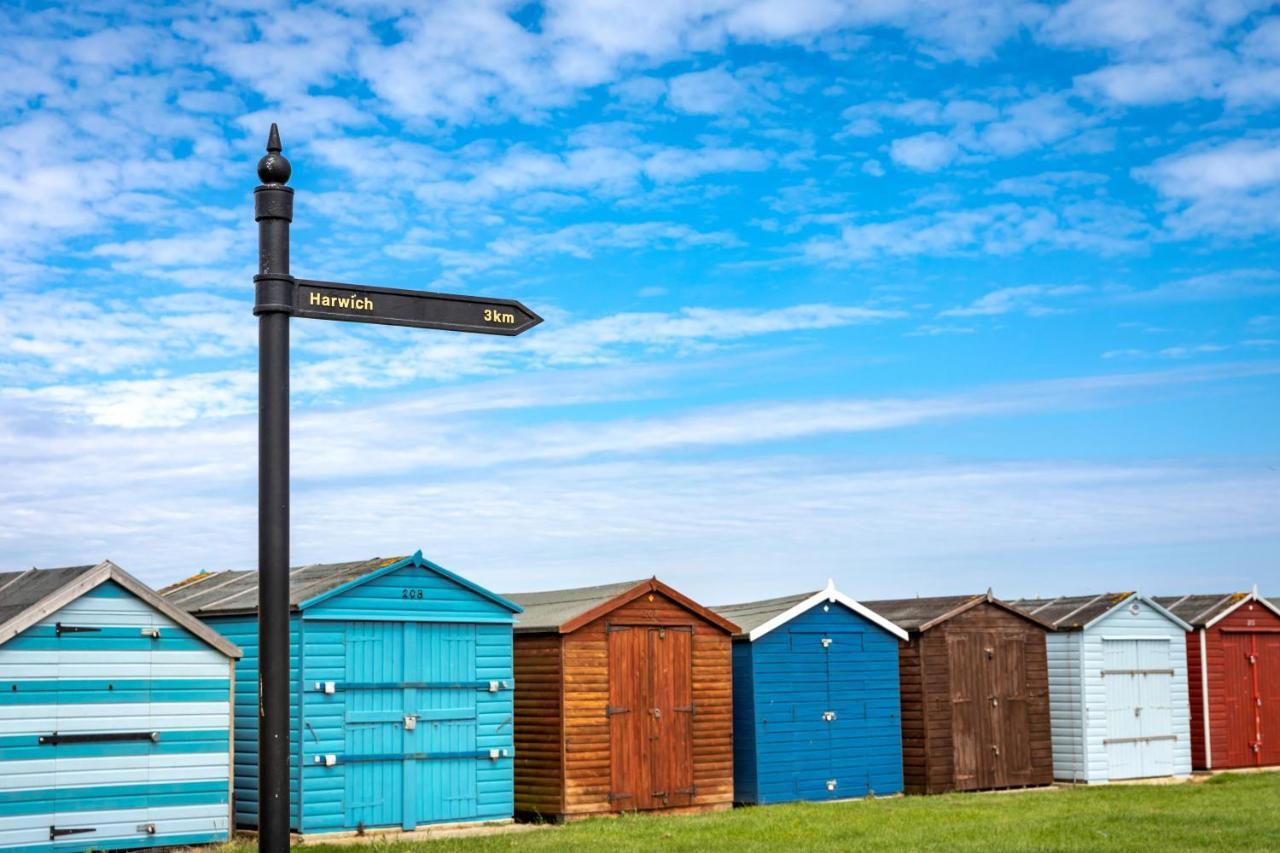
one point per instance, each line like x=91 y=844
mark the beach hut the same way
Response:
x=402 y=687
x=975 y=694
x=1117 y=687
x=1233 y=662
x=815 y=699
x=624 y=702
x=115 y=715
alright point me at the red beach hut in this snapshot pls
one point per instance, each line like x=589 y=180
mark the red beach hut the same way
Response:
x=1233 y=662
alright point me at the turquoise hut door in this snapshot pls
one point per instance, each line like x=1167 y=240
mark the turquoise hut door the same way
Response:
x=410 y=724
x=1140 y=738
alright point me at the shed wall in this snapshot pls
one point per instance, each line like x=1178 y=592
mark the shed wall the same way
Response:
x=539 y=725
x=585 y=662
x=1236 y=686
x=1146 y=625
x=113 y=680
x=1066 y=710
x=795 y=680
x=929 y=746
x=746 y=783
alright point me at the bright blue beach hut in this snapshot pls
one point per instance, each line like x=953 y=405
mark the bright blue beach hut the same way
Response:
x=815 y=699
x=402 y=697
x=115 y=715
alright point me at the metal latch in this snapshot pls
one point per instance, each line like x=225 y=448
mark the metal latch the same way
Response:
x=826 y=642
x=326 y=687
x=495 y=754
x=994 y=701
x=327 y=760
x=828 y=716
x=831 y=784
x=152 y=632
x=493 y=686
x=148 y=828
x=410 y=722
x=995 y=750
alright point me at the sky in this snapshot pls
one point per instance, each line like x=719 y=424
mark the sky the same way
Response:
x=924 y=297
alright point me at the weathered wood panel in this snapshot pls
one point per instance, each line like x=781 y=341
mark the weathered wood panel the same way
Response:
x=539 y=740
x=583 y=777
x=954 y=735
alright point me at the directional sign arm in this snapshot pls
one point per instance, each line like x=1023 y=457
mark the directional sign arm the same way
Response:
x=354 y=303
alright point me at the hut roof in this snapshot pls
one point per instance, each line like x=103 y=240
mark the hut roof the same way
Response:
x=29 y=596
x=1202 y=611
x=757 y=618
x=566 y=610
x=1076 y=612
x=921 y=614
x=229 y=592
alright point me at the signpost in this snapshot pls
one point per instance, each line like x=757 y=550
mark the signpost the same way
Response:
x=278 y=297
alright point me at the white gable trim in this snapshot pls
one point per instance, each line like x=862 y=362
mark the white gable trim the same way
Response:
x=832 y=595
x=1137 y=596
x=1252 y=596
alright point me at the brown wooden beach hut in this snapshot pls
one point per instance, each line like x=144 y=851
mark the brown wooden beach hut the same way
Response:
x=975 y=694
x=623 y=702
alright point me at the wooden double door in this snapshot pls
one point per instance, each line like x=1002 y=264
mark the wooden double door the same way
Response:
x=990 y=730
x=1251 y=666
x=650 y=716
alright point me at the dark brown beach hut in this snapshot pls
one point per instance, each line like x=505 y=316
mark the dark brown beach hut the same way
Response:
x=975 y=694
x=623 y=702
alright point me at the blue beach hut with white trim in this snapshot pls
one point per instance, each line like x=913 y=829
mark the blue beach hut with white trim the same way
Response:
x=115 y=715
x=816 y=710
x=401 y=711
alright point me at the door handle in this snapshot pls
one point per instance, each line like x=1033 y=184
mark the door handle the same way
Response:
x=656 y=712
x=410 y=722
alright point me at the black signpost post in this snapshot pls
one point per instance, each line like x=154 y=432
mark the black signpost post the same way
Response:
x=278 y=297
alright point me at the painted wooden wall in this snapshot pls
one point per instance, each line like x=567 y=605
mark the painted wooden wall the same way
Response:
x=1232 y=699
x=576 y=782
x=444 y=657
x=1086 y=736
x=784 y=682
x=929 y=689
x=113 y=680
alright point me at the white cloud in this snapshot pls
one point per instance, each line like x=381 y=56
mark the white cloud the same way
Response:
x=712 y=92
x=1000 y=229
x=927 y=152
x=1231 y=189
x=1028 y=299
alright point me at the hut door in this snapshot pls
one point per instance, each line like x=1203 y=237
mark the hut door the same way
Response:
x=1238 y=701
x=650 y=717
x=628 y=732
x=670 y=717
x=1011 y=730
x=373 y=775
x=1268 y=669
x=970 y=711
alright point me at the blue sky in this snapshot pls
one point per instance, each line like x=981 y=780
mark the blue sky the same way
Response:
x=926 y=297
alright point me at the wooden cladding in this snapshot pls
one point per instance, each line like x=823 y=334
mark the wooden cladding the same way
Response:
x=975 y=704
x=631 y=711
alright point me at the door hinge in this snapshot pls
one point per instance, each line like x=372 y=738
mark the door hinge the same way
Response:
x=59 y=629
x=687 y=709
x=54 y=738
x=614 y=796
x=55 y=832
x=612 y=709
x=691 y=791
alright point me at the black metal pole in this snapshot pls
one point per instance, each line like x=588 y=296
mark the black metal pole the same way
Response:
x=273 y=209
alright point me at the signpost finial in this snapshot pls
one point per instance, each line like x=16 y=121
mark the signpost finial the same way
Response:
x=274 y=168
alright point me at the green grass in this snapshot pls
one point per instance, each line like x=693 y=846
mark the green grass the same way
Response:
x=1230 y=812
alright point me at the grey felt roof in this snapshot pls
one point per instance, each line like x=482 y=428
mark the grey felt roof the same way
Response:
x=1199 y=610
x=752 y=614
x=548 y=610
x=910 y=613
x=20 y=590
x=1071 y=612
x=237 y=591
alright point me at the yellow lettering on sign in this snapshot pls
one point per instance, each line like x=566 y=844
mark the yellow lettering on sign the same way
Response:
x=324 y=300
x=492 y=315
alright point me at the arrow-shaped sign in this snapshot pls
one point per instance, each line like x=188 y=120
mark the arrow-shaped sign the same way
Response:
x=357 y=303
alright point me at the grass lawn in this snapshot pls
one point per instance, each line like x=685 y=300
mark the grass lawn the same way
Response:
x=1229 y=812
